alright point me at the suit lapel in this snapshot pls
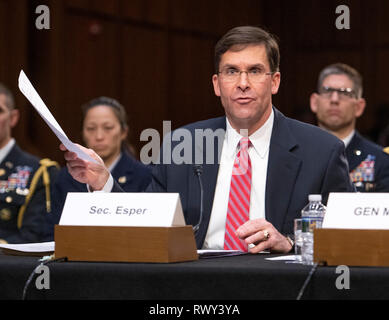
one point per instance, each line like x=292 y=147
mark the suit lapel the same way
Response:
x=122 y=168
x=283 y=169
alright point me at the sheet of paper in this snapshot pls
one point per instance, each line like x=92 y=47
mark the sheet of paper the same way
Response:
x=32 y=95
x=222 y=253
x=28 y=248
x=203 y=254
x=283 y=258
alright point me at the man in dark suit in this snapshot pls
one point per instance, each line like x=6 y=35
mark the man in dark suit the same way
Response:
x=264 y=165
x=25 y=193
x=337 y=106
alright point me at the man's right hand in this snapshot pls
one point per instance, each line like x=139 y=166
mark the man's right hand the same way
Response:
x=94 y=174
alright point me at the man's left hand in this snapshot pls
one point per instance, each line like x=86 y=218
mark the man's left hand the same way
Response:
x=264 y=236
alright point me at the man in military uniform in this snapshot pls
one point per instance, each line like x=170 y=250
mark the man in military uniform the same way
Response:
x=337 y=105
x=25 y=197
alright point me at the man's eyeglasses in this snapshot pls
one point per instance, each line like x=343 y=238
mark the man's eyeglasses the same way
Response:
x=343 y=93
x=255 y=75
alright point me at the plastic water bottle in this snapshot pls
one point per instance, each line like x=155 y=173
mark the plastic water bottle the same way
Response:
x=312 y=217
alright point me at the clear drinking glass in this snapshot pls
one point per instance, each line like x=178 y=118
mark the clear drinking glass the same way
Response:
x=298 y=239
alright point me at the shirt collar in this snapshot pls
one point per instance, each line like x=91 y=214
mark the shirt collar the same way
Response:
x=112 y=166
x=347 y=140
x=260 y=139
x=6 y=149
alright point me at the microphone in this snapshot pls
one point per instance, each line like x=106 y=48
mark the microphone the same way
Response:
x=198 y=170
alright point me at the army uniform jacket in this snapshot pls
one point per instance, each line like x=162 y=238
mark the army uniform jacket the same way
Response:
x=24 y=196
x=368 y=165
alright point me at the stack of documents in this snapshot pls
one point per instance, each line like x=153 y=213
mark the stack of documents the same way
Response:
x=28 y=249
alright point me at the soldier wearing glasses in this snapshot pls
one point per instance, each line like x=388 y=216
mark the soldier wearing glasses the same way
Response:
x=337 y=106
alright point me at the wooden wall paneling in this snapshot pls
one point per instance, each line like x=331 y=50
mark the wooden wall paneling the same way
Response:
x=199 y=15
x=46 y=74
x=191 y=95
x=307 y=19
x=81 y=4
x=134 y=9
x=202 y=16
x=379 y=108
x=381 y=85
x=237 y=13
x=255 y=12
x=378 y=104
x=181 y=15
x=4 y=30
x=110 y=7
x=368 y=64
x=116 y=47
x=309 y=40
x=271 y=16
x=273 y=20
x=378 y=16
x=353 y=37
x=151 y=11
x=144 y=80
x=281 y=19
x=91 y=59
x=13 y=37
x=311 y=24
x=157 y=12
x=13 y=58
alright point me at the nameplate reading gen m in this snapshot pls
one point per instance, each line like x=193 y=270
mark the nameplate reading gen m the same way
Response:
x=122 y=209
x=357 y=211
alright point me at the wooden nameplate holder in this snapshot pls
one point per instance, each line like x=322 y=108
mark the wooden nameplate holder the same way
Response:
x=351 y=247
x=125 y=244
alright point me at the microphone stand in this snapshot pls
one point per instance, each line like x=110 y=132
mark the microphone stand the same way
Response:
x=198 y=170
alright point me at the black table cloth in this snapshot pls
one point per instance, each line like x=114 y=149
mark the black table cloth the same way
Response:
x=245 y=277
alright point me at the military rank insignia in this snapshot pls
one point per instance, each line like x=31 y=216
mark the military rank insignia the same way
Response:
x=122 y=179
x=17 y=180
x=363 y=175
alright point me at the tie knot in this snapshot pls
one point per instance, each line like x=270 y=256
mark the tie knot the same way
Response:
x=244 y=143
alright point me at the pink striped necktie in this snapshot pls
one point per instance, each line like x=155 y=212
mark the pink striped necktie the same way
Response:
x=239 y=199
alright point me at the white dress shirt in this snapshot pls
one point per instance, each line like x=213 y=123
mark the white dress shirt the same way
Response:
x=348 y=139
x=259 y=155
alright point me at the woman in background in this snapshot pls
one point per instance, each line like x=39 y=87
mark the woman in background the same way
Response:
x=105 y=130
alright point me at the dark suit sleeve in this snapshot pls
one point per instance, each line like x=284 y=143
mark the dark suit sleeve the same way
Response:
x=337 y=177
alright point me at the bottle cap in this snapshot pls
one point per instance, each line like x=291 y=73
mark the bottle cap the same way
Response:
x=314 y=197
